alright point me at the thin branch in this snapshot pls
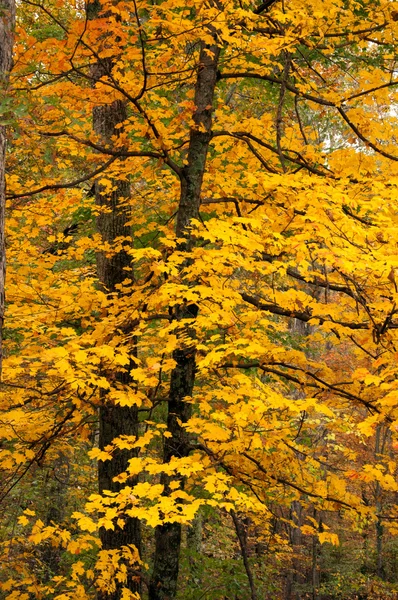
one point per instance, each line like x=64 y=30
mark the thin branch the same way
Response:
x=370 y=90
x=260 y=158
x=300 y=315
x=245 y=137
x=303 y=491
x=69 y=184
x=48 y=13
x=117 y=153
x=300 y=124
x=279 y=120
x=289 y=86
x=143 y=61
x=264 y=6
x=357 y=32
x=347 y=212
x=360 y=135
x=321 y=385
x=241 y=535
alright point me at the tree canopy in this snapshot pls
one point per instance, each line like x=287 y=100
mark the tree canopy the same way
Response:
x=201 y=232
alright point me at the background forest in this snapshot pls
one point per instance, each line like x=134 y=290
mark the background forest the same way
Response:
x=199 y=396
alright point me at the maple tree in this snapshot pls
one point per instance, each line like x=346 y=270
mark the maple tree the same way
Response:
x=186 y=183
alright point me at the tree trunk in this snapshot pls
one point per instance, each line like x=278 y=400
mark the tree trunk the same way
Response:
x=7 y=22
x=382 y=435
x=194 y=548
x=295 y=574
x=114 y=420
x=163 y=584
x=316 y=548
x=55 y=489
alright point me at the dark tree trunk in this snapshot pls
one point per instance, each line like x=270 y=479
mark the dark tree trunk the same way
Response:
x=163 y=584
x=114 y=420
x=7 y=22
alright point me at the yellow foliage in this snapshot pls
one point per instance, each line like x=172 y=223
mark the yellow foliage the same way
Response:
x=275 y=296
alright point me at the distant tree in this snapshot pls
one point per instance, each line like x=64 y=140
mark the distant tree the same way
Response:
x=7 y=23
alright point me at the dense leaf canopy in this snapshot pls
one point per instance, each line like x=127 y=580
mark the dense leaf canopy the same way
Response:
x=202 y=230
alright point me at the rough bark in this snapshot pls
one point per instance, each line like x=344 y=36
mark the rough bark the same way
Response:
x=114 y=420
x=7 y=21
x=163 y=584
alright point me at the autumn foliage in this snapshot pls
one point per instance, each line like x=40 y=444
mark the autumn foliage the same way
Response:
x=201 y=299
